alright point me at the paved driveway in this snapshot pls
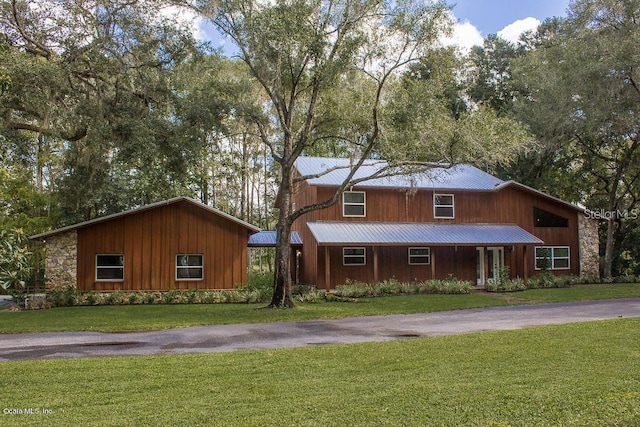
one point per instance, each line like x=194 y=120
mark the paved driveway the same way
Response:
x=225 y=338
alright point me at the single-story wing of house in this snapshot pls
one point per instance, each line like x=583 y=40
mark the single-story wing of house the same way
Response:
x=178 y=243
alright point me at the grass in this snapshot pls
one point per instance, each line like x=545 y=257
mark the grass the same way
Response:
x=571 y=375
x=580 y=293
x=149 y=317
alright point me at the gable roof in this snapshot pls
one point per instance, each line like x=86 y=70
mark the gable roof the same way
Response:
x=251 y=228
x=459 y=177
x=446 y=234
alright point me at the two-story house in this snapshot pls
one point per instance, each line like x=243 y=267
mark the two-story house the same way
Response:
x=456 y=221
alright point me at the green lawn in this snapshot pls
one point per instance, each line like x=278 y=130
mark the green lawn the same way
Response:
x=147 y=317
x=582 y=374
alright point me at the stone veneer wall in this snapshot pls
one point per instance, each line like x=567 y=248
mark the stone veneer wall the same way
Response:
x=61 y=261
x=588 y=243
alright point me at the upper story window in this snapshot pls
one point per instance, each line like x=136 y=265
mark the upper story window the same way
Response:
x=542 y=218
x=443 y=206
x=110 y=267
x=189 y=267
x=354 y=203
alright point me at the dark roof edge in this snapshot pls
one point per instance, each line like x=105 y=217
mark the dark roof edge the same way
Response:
x=250 y=227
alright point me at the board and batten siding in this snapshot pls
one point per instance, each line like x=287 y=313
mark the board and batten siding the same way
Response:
x=507 y=205
x=150 y=240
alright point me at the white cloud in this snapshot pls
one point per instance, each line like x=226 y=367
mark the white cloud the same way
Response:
x=465 y=35
x=513 y=31
x=186 y=18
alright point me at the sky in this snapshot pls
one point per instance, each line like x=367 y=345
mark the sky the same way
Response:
x=476 y=19
x=507 y=18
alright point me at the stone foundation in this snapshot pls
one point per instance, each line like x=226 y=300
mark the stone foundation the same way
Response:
x=61 y=261
x=588 y=243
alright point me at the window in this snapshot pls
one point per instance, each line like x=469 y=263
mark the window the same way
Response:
x=189 y=267
x=419 y=256
x=354 y=256
x=542 y=218
x=443 y=205
x=354 y=203
x=552 y=258
x=110 y=267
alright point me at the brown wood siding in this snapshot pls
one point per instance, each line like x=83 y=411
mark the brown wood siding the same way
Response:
x=150 y=241
x=510 y=205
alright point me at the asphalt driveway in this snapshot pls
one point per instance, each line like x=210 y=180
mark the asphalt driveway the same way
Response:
x=226 y=338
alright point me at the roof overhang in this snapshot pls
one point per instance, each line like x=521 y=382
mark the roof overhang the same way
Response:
x=268 y=239
x=431 y=234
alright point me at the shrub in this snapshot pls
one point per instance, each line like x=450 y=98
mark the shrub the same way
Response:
x=353 y=289
x=63 y=297
x=506 y=285
x=313 y=296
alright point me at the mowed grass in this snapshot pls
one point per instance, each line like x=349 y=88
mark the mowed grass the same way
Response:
x=571 y=375
x=150 y=317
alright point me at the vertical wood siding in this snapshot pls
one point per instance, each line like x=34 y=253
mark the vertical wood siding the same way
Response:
x=150 y=241
x=510 y=205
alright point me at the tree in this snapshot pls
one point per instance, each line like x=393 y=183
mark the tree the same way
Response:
x=300 y=52
x=330 y=70
x=582 y=83
x=91 y=87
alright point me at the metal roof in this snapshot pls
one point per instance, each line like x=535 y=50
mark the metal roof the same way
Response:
x=442 y=234
x=249 y=227
x=459 y=177
x=268 y=239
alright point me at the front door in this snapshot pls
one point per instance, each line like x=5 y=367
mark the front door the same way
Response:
x=495 y=262
x=489 y=263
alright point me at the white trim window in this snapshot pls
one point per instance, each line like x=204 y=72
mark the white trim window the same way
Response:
x=110 y=267
x=189 y=267
x=552 y=257
x=443 y=206
x=354 y=256
x=354 y=203
x=419 y=256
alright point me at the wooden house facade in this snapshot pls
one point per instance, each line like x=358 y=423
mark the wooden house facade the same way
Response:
x=175 y=244
x=455 y=221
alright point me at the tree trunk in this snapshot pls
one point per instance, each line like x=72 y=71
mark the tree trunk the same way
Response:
x=282 y=275
x=608 y=251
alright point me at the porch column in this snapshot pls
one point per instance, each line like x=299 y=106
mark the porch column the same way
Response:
x=375 y=264
x=327 y=268
x=432 y=259
x=525 y=265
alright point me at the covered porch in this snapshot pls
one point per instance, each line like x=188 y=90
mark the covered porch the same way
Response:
x=372 y=252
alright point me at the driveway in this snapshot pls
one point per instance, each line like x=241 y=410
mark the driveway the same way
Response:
x=226 y=338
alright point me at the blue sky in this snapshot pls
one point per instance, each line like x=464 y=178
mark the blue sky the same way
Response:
x=508 y=18
x=491 y=16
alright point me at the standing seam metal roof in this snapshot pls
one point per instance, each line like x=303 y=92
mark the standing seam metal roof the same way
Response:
x=459 y=177
x=370 y=233
x=268 y=239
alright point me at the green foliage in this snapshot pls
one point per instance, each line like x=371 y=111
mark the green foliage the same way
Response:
x=354 y=289
x=70 y=296
x=15 y=260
